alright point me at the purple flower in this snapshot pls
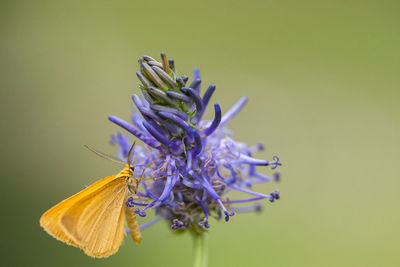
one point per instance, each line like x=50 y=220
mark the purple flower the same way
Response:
x=195 y=162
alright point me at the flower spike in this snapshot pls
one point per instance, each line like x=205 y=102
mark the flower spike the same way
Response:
x=197 y=160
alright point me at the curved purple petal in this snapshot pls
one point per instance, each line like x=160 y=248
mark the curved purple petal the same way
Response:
x=215 y=123
x=195 y=97
x=177 y=120
x=234 y=110
x=130 y=128
x=156 y=134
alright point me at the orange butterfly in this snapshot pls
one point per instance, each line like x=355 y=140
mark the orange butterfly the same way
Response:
x=93 y=219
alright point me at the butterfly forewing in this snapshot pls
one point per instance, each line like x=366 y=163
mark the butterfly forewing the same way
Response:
x=96 y=222
x=105 y=237
x=50 y=220
x=119 y=235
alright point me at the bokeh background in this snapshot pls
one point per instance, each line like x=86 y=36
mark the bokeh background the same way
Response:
x=323 y=82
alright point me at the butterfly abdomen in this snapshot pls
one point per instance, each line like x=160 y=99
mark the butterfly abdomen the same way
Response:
x=133 y=224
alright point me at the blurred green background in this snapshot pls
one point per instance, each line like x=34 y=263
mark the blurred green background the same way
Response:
x=323 y=82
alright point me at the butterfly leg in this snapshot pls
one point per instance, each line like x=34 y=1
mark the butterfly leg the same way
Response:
x=139 y=181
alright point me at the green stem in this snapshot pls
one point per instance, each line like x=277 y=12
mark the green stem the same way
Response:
x=200 y=257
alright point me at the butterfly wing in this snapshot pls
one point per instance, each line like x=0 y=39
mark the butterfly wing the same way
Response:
x=96 y=221
x=51 y=218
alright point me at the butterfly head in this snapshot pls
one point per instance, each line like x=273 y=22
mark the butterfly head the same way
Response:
x=130 y=169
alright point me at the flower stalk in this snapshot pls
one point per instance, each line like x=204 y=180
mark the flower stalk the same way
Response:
x=200 y=250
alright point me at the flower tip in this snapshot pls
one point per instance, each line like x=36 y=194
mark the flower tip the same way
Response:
x=140 y=213
x=177 y=224
x=228 y=214
x=171 y=64
x=217 y=108
x=129 y=202
x=275 y=195
x=137 y=101
x=196 y=73
x=260 y=147
x=258 y=207
x=112 y=118
x=204 y=224
x=277 y=176
x=276 y=163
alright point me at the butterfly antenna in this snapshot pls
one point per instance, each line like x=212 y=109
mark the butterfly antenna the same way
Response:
x=104 y=156
x=129 y=153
